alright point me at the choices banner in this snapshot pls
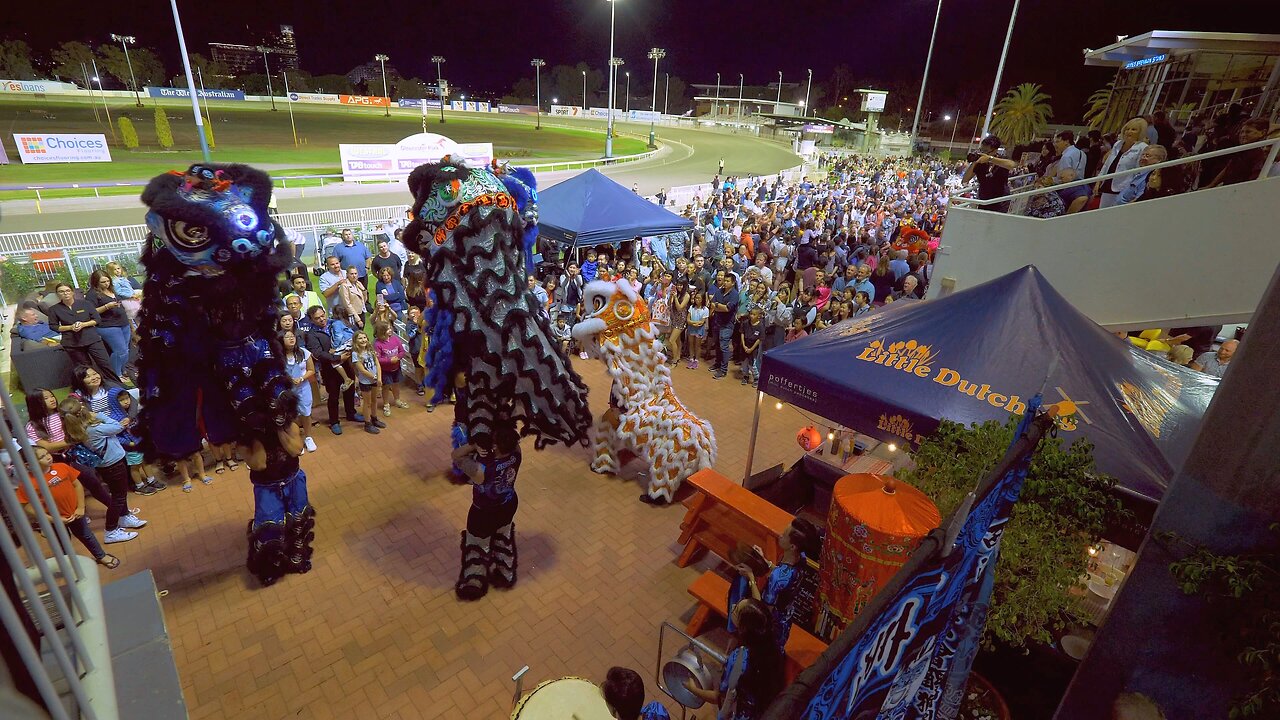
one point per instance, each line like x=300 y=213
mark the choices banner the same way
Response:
x=208 y=94
x=37 y=148
x=369 y=100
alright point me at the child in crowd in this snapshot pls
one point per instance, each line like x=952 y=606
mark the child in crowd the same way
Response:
x=120 y=406
x=797 y=330
x=342 y=334
x=752 y=335
x=561 y=332
x=301 y=368
x=390 y=350
x=95 y=436
x=623 y=691
x=698 y=315
x=590 y=267
x=68 y=499
x=366 y=363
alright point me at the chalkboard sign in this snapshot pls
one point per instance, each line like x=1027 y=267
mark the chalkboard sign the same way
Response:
x=803 y=608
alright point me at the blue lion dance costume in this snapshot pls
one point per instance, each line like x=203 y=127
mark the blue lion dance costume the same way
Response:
x=209 y=365
x=492 y=342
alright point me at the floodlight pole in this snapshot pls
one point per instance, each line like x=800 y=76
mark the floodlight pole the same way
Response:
x=740 y=81
x=778 y=102
x=915 y=121
x=285 y=75
x=125 y=41
x=191 y=83
x=382 y=60
x=715 y=107
x=98 y=79
x=995 y=88
x=614 y=63
x=438 y=59
x=584 y=91
x=266 y=66
x=608 y=135
x=93 y=103
x=806 y=93
x=538 y=64
x=655 y=54
x=666 y=96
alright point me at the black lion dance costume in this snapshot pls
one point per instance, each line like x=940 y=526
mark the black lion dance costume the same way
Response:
x=511 y=378
x=208 y=364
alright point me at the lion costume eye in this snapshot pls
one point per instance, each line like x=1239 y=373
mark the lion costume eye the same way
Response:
x=189 y=237
x=623 y=310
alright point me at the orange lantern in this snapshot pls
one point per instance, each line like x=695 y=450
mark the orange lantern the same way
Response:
x=809 y=438
x=874 y=525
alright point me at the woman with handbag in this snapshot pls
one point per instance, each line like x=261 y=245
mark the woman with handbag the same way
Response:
x=96 y=445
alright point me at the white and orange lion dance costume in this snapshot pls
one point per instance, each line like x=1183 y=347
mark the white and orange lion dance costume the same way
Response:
x=644 y=415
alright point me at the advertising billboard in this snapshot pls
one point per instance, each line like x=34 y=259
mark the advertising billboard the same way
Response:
x=207 y=94
x=517 y=109
x=395 y=162
x=368 y=100
x=873 y=100
x=644 y=116
x=567 y=110
x=38 y=148
x=35 y=86
x=313 y=98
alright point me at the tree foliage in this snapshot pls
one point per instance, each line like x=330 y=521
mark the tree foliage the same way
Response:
x=72 y=62
x=1099 y=114
x=409 y=88
x=15 y=60
x=128 y=134
x=1020 y=114
x=332 y=84
x=164 y=133
x=1064 y=508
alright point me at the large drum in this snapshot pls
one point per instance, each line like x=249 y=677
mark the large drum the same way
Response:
x=569 y=698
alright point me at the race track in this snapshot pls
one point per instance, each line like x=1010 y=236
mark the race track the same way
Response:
x=688 y=156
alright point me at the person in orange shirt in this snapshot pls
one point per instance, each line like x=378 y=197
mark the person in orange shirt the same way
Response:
x=68 y=498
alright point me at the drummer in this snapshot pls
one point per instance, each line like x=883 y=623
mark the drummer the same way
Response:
x=624 y=693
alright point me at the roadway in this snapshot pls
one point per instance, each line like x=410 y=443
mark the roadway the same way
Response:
x=687 y=156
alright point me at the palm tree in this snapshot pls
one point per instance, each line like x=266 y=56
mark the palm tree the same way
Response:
x=1020 y=114
x=1098 y=114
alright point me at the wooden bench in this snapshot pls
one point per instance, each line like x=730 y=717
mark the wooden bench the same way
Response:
x=712 y=593
x=722 y=514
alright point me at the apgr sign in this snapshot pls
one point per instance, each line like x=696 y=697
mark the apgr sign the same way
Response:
x=37 y=148
x=368 y=100
x=183 y=93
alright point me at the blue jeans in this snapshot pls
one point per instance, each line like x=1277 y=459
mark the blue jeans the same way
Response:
x=726 y=349
x=117 y=340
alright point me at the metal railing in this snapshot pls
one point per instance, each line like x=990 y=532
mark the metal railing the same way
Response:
x=75 y=631
x=1025 y=195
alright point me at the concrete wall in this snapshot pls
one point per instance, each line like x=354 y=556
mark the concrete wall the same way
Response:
x=1202 y=258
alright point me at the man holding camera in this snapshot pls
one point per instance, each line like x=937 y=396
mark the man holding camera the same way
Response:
x=992 y=172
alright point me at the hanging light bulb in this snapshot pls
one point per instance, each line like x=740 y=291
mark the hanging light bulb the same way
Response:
x=777 y=406
x=831 y=436
x=893 y=448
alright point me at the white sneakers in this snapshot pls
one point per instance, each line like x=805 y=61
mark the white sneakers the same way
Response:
x=118 y=535
x=132 y=522
x=386 y=409
x=583 y=355
x=309 y=444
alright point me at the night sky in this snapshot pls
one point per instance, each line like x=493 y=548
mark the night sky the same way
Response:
x=488 y=45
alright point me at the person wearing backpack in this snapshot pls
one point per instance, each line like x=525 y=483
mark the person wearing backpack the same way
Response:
x=96 y=444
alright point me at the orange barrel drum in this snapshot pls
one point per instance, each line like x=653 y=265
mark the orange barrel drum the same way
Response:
x=874 y=525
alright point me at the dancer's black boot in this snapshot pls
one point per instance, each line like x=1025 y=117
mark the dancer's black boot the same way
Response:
x=473 y=578
x=503 y=557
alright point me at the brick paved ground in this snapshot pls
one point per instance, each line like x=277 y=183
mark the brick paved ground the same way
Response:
x=375 y=630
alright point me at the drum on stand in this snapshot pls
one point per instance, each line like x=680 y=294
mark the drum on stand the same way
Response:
x=569 y=698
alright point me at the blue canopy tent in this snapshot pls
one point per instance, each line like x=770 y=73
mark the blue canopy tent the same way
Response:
x=590 y=209
x=977 y=355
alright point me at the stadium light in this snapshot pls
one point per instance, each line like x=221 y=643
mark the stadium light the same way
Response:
x=614 y=64
x=97 y=79
x=382 y=60
x=655 y=54
x=538 y=64
x=438 y=59
x=608 y=136
x=805 y=104
x=125 y=41
x=715 y=108
x=915 y=121
x=740 y=81
x=267 y=68
x=953 y=129
x=778 y=102
x=584 y=90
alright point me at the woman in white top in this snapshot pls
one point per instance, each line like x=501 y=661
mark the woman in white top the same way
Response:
x=1124 y=155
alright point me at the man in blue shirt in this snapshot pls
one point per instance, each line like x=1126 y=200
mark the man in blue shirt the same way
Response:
x=724 y=310
x=351 y=253
x=1070 y=156
x=899 y=265
x=30 y=327
x=863 y=283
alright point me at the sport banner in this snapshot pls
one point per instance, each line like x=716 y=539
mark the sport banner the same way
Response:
x=367 y=100
x=322 y=98
x=567 y=110
x=38 y=148
x=207 y=94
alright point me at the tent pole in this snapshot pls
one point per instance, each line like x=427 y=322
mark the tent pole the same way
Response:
x=751 y=444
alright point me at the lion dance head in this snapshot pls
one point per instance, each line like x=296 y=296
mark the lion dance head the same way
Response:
x=469 y=230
